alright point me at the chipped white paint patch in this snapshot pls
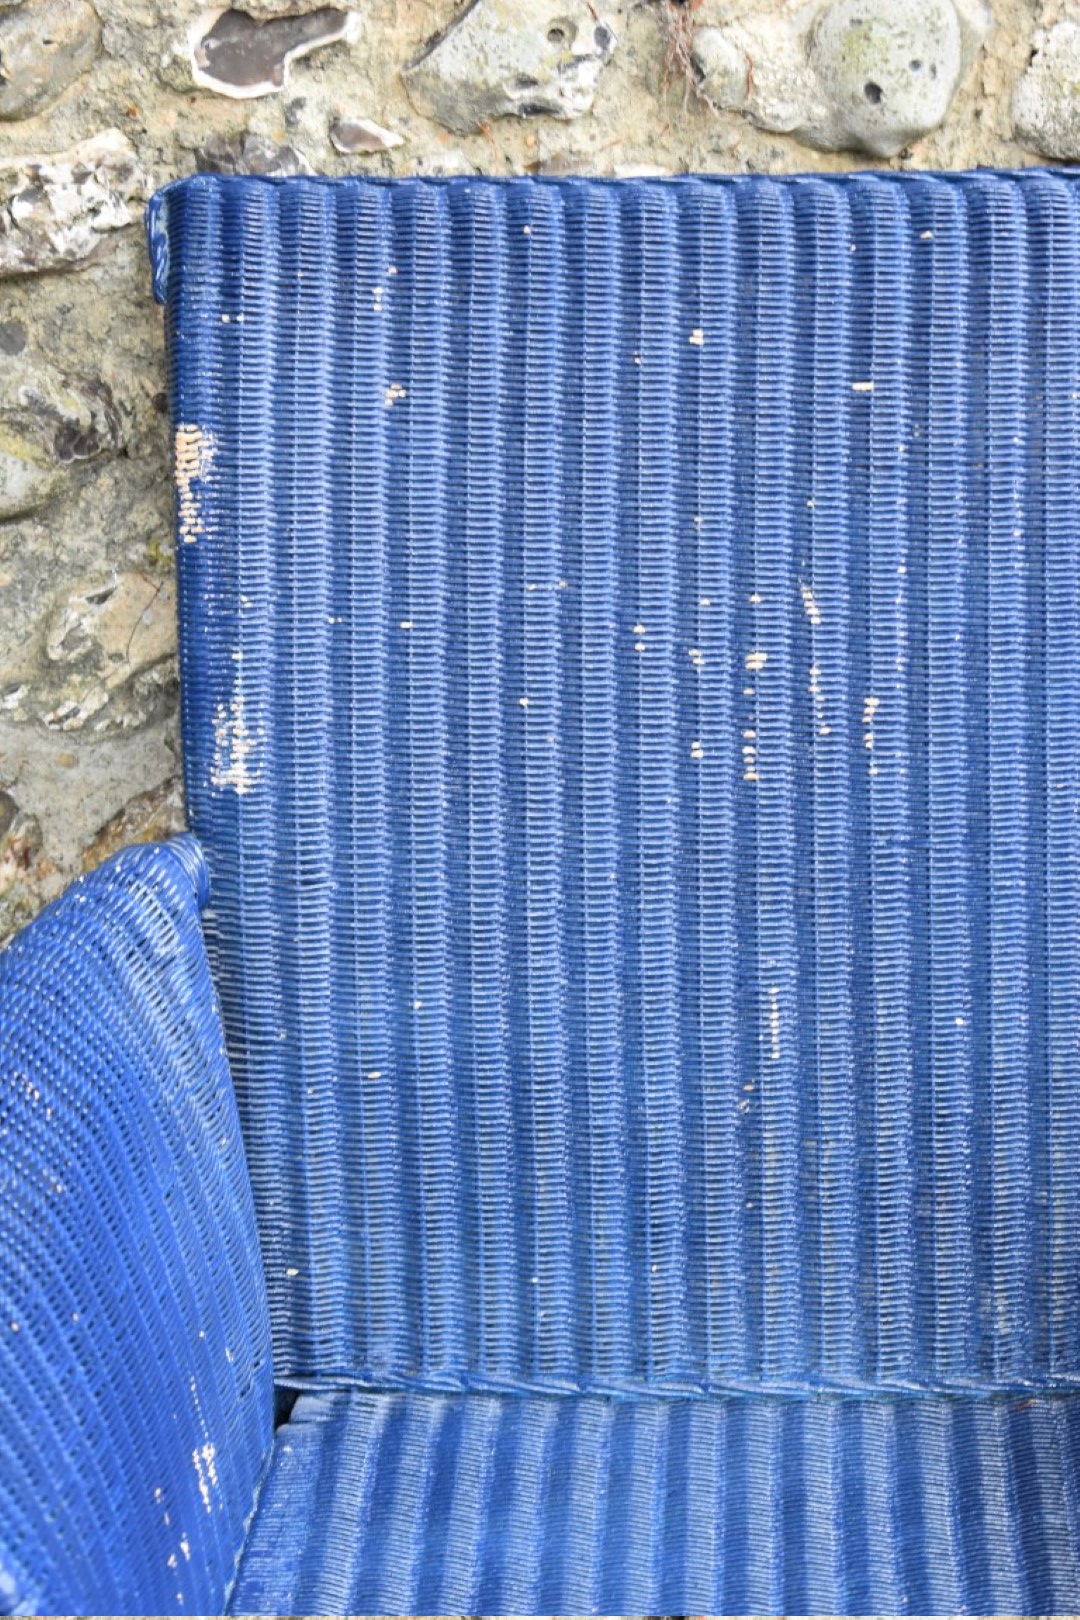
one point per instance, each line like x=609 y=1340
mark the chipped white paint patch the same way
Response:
x=862 y=388
x=205 y=1460
x=193 y=455
x=697 y=337
x=756 y=659
x=234 y=748
x=395 y=392
x=815 y=690
x=870 y=708
x=810 y=607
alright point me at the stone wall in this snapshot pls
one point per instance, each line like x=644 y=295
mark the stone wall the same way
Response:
x=102 y=100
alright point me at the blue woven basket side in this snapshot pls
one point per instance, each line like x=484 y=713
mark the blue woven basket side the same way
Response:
x=135 y=1380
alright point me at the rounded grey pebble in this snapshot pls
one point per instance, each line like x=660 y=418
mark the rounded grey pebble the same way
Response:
x=724 y=69
x=889 y=67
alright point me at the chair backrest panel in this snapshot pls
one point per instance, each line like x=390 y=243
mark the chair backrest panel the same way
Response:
x=631 y=679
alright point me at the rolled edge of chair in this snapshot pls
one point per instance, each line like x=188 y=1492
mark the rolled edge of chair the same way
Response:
x=157 y=243
x=188 y=852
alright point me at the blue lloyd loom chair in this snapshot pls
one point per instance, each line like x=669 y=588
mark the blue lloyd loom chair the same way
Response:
x=631 y=696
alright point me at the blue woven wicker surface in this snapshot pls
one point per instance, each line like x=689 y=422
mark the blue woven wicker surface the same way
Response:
x=631 y=643
x=416 y=1504
x=135 y=1399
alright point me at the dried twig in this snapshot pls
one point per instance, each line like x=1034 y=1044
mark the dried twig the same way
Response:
x=679 y=26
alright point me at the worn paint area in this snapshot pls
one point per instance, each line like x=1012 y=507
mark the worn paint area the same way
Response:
x=810 y=607
x=235 y=747
x=205 y=1461
x=870 y=709
x=193 y=455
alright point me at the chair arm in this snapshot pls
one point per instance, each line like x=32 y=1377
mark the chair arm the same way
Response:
x=135 y=1381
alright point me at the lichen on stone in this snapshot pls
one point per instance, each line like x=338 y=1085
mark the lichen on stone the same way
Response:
x=858 y=75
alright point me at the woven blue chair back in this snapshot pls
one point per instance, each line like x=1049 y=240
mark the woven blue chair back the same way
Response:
x=631 y=684
x=135 y=1394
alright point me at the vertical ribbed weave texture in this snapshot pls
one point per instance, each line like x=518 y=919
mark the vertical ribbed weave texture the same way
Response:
x=631 y=643
x=135 y=1394
x=473 y=1504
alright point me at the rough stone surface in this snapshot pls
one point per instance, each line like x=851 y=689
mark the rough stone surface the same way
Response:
x=852 y=75
x=48 y=422
x=528 y=58
x=55 y=210
x=362 y=135
x=888 y=69
x=158 y=813
x=44 y=45
x=101 y=658
x=723 y=67
x=243 y=56
x=1046 y=107
x=23 y=870
x=88 y=727
x=286 y=8
x=249 y=154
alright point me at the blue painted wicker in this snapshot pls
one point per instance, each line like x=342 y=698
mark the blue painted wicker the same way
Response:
x=481 y=1504
x=135 y=1394
x=632 y=714
x=631 y=681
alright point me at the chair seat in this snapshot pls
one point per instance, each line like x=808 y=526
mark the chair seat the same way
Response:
x=405 y=1503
